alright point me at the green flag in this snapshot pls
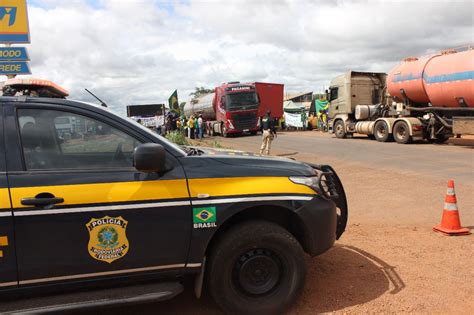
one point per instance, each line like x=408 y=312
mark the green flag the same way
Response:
x=173 y=101
x=321 y=105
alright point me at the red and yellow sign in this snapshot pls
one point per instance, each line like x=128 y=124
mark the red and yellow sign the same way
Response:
x=14 y=22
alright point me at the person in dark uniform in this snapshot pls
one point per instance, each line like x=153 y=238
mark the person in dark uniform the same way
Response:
x=268 y=133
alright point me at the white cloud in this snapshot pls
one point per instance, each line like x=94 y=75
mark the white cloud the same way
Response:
x=141 y=51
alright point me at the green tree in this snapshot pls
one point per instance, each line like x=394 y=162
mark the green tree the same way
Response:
x=199 y=91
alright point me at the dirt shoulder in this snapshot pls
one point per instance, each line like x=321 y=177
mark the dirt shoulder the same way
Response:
x=389 y=259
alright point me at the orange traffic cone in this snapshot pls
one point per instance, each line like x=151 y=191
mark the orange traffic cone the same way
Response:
x=450 y=223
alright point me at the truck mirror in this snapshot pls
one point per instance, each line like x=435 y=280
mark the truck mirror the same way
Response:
x=149 y=158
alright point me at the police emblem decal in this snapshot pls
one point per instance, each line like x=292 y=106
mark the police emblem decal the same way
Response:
x=107 y=238
x=204 y=217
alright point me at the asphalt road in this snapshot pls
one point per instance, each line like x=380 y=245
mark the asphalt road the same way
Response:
x=447 y=161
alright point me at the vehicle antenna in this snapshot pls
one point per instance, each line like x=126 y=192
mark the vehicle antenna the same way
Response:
x=101 y=102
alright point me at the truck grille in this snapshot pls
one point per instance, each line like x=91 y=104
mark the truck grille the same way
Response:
x=245 y=121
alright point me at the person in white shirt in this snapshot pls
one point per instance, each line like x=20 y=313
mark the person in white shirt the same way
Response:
x=200 y=127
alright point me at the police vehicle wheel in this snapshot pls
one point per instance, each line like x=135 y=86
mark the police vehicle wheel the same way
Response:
x=339 y=129
x=401 y=133
x=256 y=268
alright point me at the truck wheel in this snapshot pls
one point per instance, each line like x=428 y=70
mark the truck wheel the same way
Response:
x=401 y=133
x=381 y=132
x=256 y=268
x=224 y=132
x=442 y=138
x=339 y=129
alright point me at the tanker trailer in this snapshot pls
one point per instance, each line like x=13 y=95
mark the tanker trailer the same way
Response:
x=422 y=98
x=231 y=110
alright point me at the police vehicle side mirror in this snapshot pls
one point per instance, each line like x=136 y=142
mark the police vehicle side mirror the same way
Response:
x=149 y=158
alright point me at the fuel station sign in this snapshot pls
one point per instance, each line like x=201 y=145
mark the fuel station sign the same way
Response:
x=14 y=29
x=13 y=53
x=14 y=22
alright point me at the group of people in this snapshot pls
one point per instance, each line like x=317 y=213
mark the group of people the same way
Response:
x=315 y=120
x=318 y=121
x=194 y=127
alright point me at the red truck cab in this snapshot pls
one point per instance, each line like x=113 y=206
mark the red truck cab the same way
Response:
x=236 y=106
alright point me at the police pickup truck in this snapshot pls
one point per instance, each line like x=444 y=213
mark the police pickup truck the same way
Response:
x=106 y=212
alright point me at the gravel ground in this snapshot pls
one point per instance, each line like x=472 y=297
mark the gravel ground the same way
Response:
x=389 y=259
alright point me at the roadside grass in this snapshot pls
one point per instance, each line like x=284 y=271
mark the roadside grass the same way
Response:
x=206 y=142
x=177 y=137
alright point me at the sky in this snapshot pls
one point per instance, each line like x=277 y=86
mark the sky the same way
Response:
x=139 y=52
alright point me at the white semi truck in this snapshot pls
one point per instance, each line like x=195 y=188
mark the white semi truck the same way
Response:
x=428 y=98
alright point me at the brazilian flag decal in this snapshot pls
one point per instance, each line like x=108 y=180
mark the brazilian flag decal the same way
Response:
x=204 y=217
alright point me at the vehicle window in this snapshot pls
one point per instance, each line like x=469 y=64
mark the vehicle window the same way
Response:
x=334 y=93
x=59 y=140
x=236 y=101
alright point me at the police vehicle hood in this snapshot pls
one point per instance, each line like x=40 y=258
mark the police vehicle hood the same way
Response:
x=210 y=162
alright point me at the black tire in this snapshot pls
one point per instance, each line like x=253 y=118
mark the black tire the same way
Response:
x=257 y=267
x=401 y=133
x=339 y=129
x=371 y=137
x=381 y=132
x=224 y=131
x=442 y=138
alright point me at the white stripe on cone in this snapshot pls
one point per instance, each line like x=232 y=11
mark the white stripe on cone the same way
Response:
x=450 y=206
x=450 y=192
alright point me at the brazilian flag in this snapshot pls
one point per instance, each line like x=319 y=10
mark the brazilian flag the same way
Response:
x=321 y=105
x=173 y=101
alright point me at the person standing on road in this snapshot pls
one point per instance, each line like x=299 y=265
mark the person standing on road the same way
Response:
x=304 y=119
x=200 y=126
x=191 y=127
x=196 y=128
x=269 y=132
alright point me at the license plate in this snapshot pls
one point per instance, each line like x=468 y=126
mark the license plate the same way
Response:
x=246 y=130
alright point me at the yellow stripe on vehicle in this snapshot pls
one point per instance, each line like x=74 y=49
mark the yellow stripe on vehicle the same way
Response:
x=234 y=186
x=4 y=199
x=106 y=192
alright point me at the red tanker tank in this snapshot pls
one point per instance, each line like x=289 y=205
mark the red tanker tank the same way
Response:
x=444 y=80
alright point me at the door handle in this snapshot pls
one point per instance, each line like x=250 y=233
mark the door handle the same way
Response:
x=41 y=201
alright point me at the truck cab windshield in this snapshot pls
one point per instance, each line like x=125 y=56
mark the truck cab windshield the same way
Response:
x=242 y=101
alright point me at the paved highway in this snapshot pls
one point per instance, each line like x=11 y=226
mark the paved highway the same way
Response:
x=448 y=161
